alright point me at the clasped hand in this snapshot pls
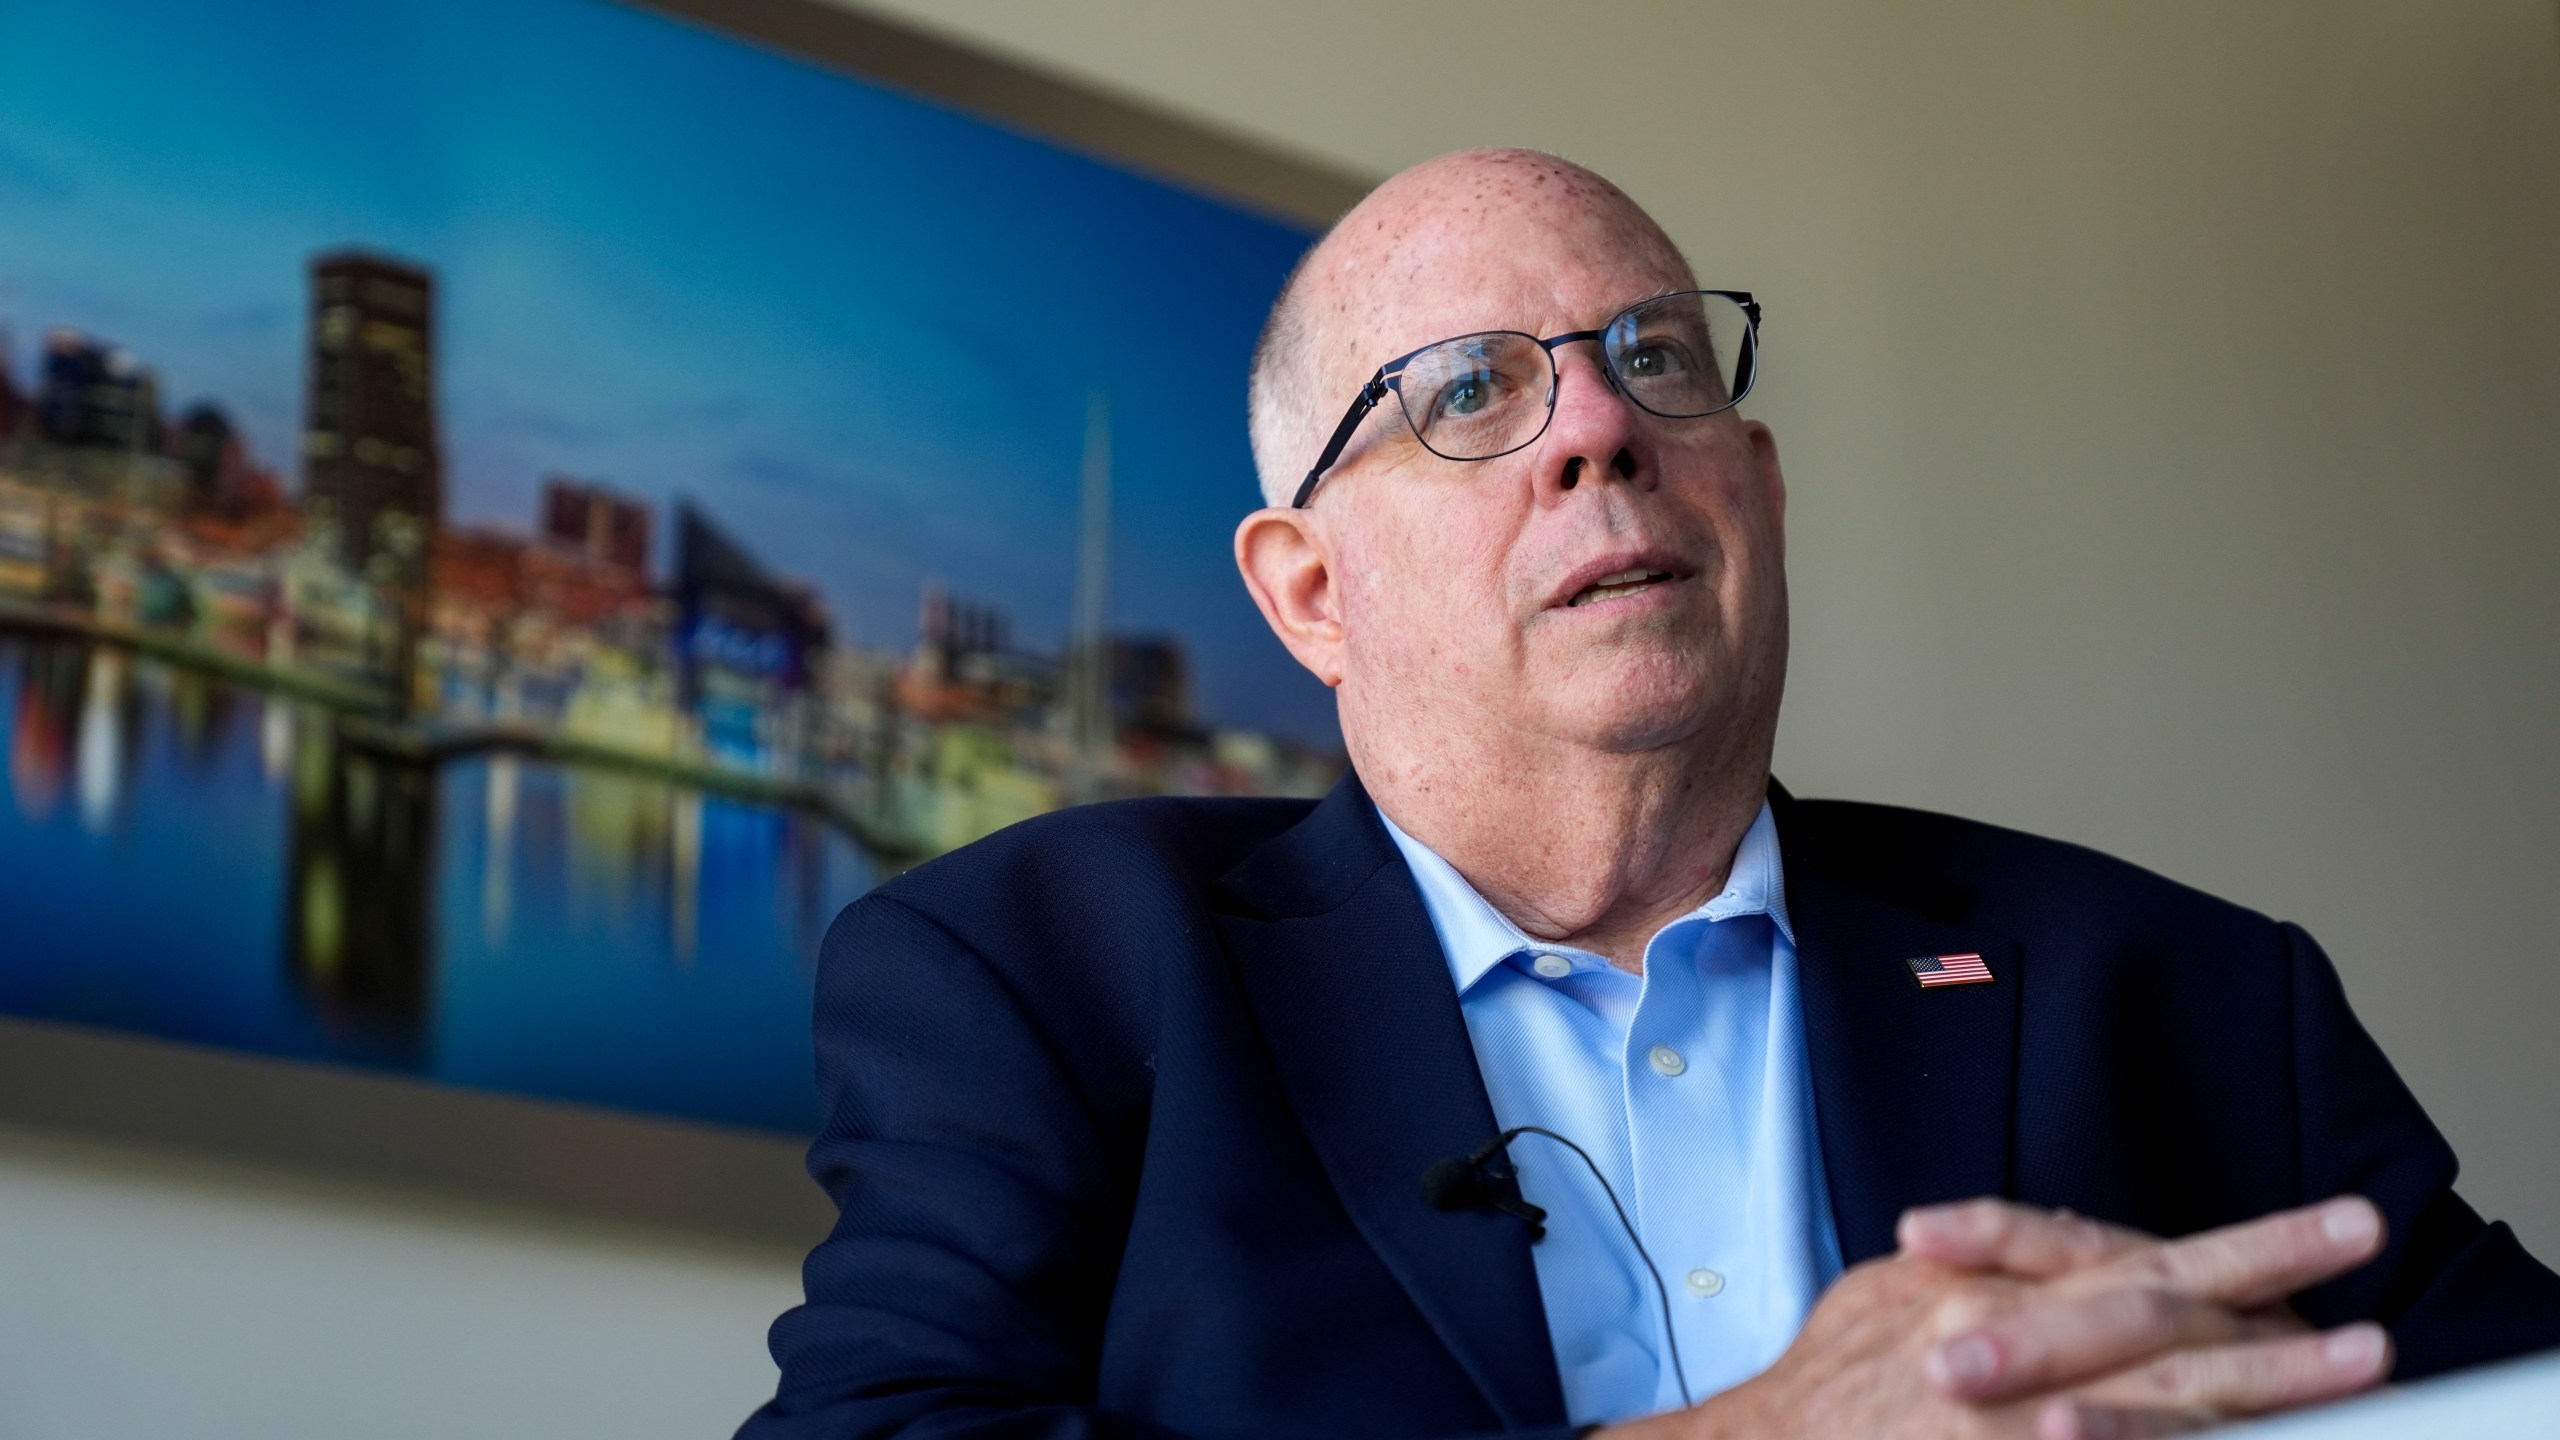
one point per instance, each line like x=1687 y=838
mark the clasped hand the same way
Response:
x=1999 y=1320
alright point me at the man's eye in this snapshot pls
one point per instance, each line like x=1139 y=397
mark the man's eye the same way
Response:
x=1466 y=395
x=1652 y=361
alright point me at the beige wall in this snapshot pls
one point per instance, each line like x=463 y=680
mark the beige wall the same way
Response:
x=2170 y=394
x=147 y=1293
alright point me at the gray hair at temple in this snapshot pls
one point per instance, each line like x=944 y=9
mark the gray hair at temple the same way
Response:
x=1280 y=400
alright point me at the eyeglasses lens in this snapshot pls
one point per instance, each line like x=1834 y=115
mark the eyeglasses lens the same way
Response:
x=1477 y=396
x=1681 y=355
x=1484 y=395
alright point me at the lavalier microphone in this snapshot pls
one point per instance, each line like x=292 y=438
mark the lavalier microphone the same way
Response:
x=1467 y=1182
x=1461 y=1182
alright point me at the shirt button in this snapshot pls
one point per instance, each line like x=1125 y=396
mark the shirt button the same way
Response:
x=1667 y=1061
x=1554 y=967
x=1705 y=1284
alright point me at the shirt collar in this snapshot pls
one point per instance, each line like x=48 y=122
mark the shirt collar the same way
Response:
x=1475 y=937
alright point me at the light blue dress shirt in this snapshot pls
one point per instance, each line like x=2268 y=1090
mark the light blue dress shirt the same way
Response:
x=1689 y=1087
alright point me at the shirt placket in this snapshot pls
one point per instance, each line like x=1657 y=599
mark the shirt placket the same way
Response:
x=1663 y=1071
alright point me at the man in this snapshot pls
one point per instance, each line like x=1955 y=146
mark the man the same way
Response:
x=1188 y=1118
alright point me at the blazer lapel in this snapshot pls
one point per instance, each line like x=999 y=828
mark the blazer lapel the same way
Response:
x=1913 y=1089
x=1338 y=960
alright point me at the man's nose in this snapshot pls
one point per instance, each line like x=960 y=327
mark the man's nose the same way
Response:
x=1595 y=433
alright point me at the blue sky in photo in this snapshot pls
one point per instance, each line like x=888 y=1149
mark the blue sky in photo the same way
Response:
x=858 y=328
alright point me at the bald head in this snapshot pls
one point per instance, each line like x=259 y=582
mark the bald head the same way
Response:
x=1422 y=250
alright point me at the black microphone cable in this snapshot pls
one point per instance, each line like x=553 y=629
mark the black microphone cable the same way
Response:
x=1459 y=1183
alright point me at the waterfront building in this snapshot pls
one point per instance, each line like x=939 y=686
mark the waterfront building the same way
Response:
x=966 y=667
x=1151 y=687
x=372 y=473
x=530 y=632
x=604 y=531
x=97 y=396
x=215 y=462
x=26 y=540
x=13 y=405
x=951 y=630
x=746 y=643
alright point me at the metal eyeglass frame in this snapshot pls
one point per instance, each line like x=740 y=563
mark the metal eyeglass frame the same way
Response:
x=1747 y=367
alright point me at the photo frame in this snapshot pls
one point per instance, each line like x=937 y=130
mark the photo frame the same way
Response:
x=392 y=796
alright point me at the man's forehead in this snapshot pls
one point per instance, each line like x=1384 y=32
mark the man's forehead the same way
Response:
x=1482 y=240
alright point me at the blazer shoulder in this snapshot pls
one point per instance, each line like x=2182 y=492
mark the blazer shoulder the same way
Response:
x=1073 y=918
x=1952 y=868
x=1110 y=861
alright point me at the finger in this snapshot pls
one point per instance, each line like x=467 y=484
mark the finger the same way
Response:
x=2015 y=1239
x=2048 y=1346
x=2254 y=1264
x=2254 y=1377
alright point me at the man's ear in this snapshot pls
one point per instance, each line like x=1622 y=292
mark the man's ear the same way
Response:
x=1773 y=481
x=1288 y=569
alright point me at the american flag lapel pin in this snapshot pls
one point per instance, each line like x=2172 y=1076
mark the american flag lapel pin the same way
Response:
x=1935 y=970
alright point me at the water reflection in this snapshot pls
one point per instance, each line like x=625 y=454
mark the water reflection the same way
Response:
x=359 y=923
x=188 y=859
x=102 y=732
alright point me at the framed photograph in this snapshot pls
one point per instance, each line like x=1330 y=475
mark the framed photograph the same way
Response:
x=511 y=515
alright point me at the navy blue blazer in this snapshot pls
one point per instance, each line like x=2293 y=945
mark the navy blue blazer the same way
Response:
x=1128 y=1108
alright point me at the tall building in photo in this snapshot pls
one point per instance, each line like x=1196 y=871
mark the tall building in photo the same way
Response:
x=600 y=529
x=208 y=447
x=371 y=470
x=951 y=630
x=372 y=477
x=13 y=406
x=1151 y=686
x=95 y=395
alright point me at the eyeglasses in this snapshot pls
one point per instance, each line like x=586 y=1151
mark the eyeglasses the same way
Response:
x=1475 y=397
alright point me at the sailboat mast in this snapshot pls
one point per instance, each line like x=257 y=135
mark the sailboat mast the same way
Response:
x=1089 y=652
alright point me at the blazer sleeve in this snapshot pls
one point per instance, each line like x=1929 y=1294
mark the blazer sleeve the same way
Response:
x=981 y=1144
x=962 y=1290
x=2454 y=1289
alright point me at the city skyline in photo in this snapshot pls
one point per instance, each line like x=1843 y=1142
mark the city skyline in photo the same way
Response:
x=681 y=268
x=499 y=544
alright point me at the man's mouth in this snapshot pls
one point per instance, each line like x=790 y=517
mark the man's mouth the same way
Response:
x=1624 y=582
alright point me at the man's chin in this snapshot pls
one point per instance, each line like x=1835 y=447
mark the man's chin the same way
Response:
x=1636 y=709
